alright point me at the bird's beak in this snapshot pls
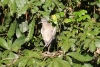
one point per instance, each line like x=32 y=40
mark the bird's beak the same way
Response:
x=40 y=22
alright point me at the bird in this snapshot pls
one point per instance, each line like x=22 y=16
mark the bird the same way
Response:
x=48 y=32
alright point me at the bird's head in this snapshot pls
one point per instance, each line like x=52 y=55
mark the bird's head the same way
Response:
x=43 y=20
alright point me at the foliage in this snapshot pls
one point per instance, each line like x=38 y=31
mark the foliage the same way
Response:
x=77 y=38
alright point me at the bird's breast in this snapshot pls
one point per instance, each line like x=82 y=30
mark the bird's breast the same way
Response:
x=46 y=34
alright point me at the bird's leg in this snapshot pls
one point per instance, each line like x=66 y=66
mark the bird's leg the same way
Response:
x=49 y=47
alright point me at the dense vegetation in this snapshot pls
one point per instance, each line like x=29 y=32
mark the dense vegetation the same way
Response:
x=77 y=42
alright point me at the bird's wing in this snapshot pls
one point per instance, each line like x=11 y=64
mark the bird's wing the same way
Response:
x=46 y=34
x=54 y=32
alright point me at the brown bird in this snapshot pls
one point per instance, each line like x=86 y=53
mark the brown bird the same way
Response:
x=48 y=32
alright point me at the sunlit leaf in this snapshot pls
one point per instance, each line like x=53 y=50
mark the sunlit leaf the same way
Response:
x=4 y=44
x=92 y=46
x=98 y=60
x=54 y=19
x=97 y=42
x=13 y=6
x=23 y=62
x=17 y=43
x=18 y=33
x=86 y=43
x=59 y=63
x=69 y=59
x=31 y=30
x=87 y=65
x=12 y=29
x=80 y=57
x=23 y=26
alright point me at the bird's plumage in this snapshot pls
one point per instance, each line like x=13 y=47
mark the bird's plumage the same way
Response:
x=48 y=32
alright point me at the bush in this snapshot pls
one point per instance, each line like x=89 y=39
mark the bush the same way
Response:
x=77 y=42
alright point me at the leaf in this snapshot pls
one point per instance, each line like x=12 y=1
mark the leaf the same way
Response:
x=57 y=62
x=13 y=56
x=4 y=44
x=80 y=57
x=50 y=65
x=68 y=20
x=22 y=10
x=92 y=46
x=54 y=19
x=87 y=65
x=62 y=14
x=77 y=65
x=20 y=3
x=17 y=43
x=4 y=2
x=86 y=43
x=9 y=42
x=18 y=33
x=22 y=7
x=98 y=4
x=13 y=6
x=23 y=26
x=45 y=14
x=98 y=60
x=31 y=30
x=65 y=46
x=63 y=63
x=67 y=43
x=32 y=54
x=23 y=62
x=97 y=42
x=30 y=62
x=12 y=29
x=69 y=59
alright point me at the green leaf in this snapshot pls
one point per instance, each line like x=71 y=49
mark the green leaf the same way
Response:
x=37 y=3
x=34 y=9
x=23 y=62
x=13 y=55
x=4 y=2
x=50 y=65
x=45 y=14
x=4 y=44
x=68 y=20
x=12 y=29
x=87 y=65
x=18 y=33
x=31 y=30
x=57 y=62
x=80 y=57
x=62 y=14
x=98 y=4
x=32 y=54
x=9 y=42
x=77 y=65
x=63 y=63
x=86 y=43
x=22 y=10
x=92 y=46
x=22 y=7
x=20 y=3
x=13 y=6
x=30 y=62
x=98 y=60
x=65 y=46
x=17 y=43
x=23 y=26
x=97 y=42
x=69 y=59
